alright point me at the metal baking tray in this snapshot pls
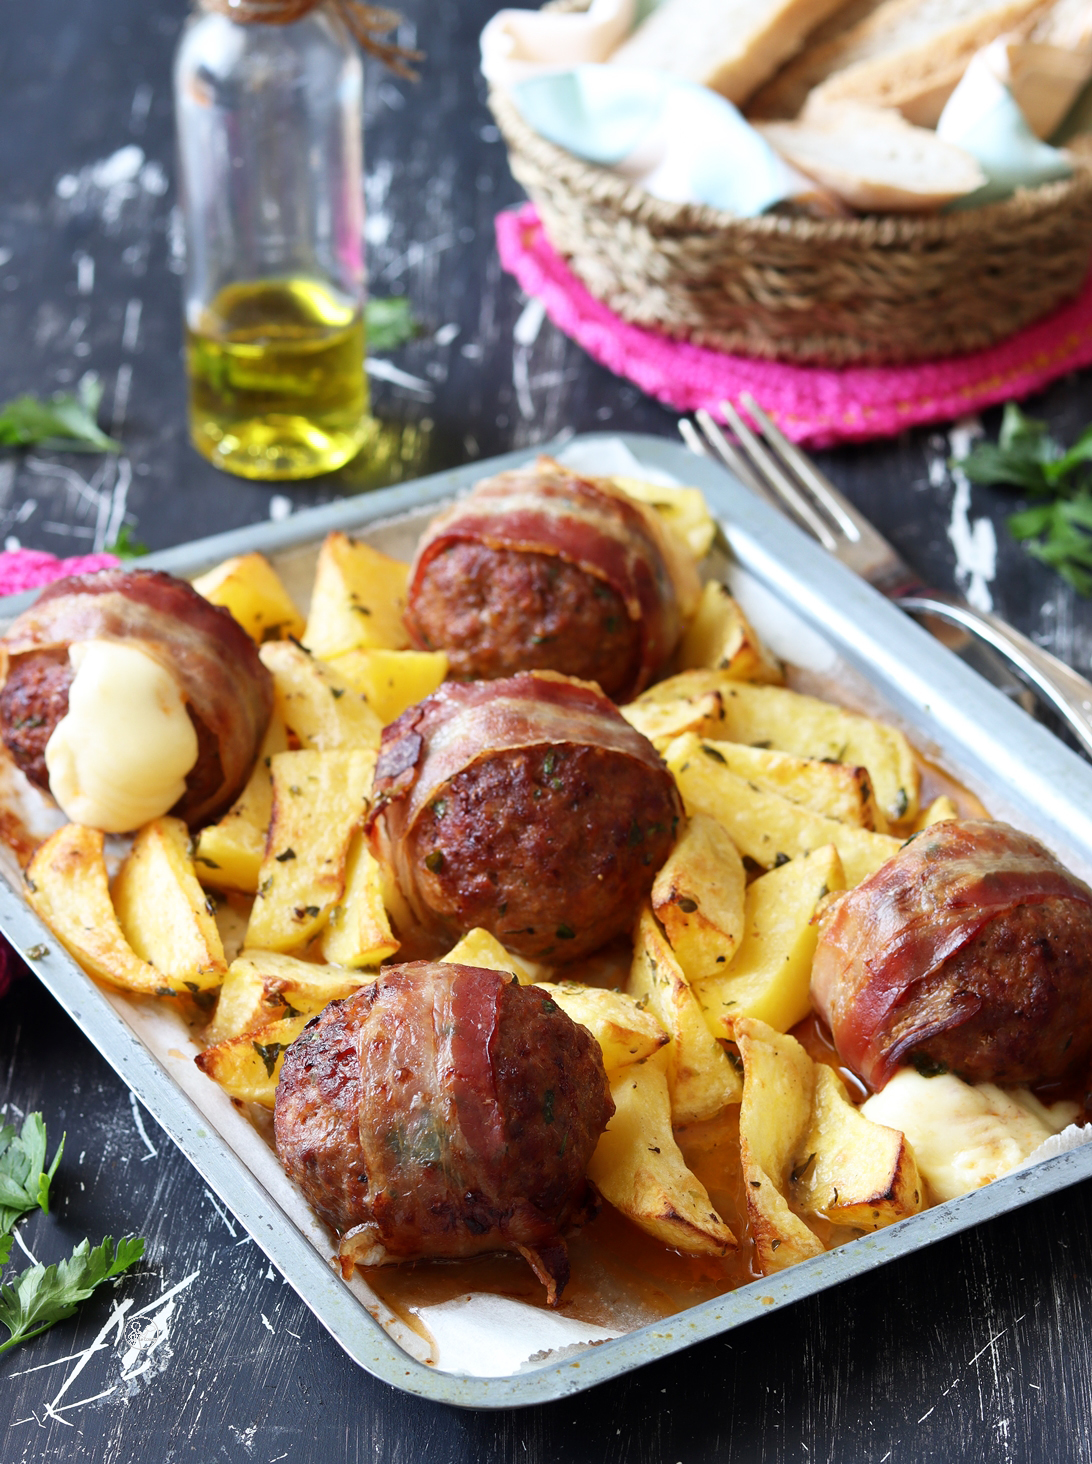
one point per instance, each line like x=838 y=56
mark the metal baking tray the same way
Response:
x=880 y=658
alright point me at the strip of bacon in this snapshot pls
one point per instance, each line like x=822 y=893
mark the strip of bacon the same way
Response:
x=881 y=943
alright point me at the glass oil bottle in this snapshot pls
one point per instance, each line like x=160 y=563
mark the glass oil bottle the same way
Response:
x=270 y=138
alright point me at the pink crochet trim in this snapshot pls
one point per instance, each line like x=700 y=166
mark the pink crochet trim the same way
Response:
x=811 y=404
x=10 y=967
x=26 y=569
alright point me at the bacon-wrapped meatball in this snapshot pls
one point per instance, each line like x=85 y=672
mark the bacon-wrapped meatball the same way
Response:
x=445 y=1111
x=181 y=662
x=541 y=568
x=528 y=806
x=970 y=950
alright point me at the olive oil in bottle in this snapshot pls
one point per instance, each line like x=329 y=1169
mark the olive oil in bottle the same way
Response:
x=277 y=383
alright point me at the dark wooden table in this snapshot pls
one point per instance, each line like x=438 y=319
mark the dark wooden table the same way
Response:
x=977 y=1349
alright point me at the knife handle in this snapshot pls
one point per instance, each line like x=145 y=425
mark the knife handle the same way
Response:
x=1065 y=689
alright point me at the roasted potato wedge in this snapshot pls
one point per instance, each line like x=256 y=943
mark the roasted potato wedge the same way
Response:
x=836 y=790
x=392 y=680
x=230 y=853
x=264 y=986
x=721 y=638
x=358 y=599
x=625 y=1031
x=764 y=826
x=786 y=721
x=638 y=1167
x=358 y=932
x=67 y=887
x=698 y=898
x=778 y=1087
x=248 y=1067
x=164 y=913
x=662 y=722
x=480 y=947
x=941 y=810
x=319 y=799
x=770 y=975
x=683 y=509
x=850 y=1170
x=251 y=589
x=317 y=705
x=701 y=1078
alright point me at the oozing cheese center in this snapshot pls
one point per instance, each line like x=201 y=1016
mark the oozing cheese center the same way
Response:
x=120 y=756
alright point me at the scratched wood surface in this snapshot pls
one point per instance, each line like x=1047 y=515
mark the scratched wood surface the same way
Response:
x=977 y=1349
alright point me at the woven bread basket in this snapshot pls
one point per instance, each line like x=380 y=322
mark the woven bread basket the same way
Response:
x=879 y=289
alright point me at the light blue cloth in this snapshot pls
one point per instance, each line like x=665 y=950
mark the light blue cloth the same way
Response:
x=679 y=140
x=1007 y=151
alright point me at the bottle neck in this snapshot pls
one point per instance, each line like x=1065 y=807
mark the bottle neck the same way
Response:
x=261 y=12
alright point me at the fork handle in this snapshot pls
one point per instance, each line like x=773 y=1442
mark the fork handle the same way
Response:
x=1068 y=692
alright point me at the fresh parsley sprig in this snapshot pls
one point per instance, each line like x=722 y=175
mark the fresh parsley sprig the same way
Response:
x=34 y=1300
x=389 y=323
x=1026 y=457
x=65 y=423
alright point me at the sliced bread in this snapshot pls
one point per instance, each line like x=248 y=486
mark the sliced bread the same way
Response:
x=784 y=95
x=732 y=46
x=875 y=160
x=908 y=54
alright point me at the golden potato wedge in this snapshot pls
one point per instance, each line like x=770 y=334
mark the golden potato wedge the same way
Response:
x=164 y=913
x=480 y=947
x=638 y=1167
x=721 y=638
x=67 y=887
x=251 y=589
x=850 y=1170
x=698 y=898
x=836 y=790
x=230 y=853
x=232 y=914
x=941 y=810
x=315 y=703
x=358 y=932
x=625 y=1031
x=700 y=1076
x=683 y=509
x=787 y=721
x=263 y=986
x=392 y=680
x=778 y=1087
x=358 y=599
x=319 y=799
x=770 y=976
x=662 y=722
x=764 y=826
x=248 y=1067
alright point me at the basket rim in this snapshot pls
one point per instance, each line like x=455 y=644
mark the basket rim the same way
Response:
x=605 y=188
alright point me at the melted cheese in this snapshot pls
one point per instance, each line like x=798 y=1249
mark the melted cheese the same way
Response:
x=964 y=1135
x=120 y=756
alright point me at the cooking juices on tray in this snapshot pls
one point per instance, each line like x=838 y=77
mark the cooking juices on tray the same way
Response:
x=654 y=877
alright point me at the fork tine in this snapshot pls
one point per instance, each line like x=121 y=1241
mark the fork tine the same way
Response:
x=780 y=483
x=804 y=468
x=731 y=457
x=692 y=437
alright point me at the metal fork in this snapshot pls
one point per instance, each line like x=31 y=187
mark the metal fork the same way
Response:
x=779 y=472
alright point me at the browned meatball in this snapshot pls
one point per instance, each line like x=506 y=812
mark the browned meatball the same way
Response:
x=498 y=611
x=33 y=700
x=444 y=1111
x=527 y=806
x=970 y=950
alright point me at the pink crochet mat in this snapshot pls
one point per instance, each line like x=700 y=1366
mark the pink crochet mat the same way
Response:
x=815 y=405
x=26 y=569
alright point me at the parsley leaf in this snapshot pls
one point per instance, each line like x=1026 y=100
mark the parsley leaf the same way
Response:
x=24 y=1181
x=65 y=423
x=127 y=545
x=42 y=1295
x=1058 y=531
x=389 y=323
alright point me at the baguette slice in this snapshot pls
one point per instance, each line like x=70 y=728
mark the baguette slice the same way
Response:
x=875 y=160
x=731 y=46
x=784 y=95
x=1066 y=24
x=908 y=54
